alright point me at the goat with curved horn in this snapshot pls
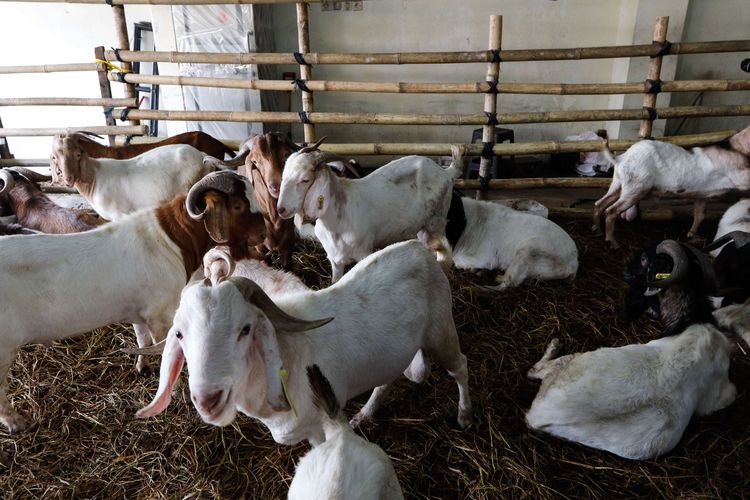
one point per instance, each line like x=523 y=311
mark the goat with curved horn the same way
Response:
x=8 y=181
x=226 y=182
x=674 y=250
x=31 y=175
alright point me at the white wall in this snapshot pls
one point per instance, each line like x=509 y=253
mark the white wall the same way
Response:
x=54 y=34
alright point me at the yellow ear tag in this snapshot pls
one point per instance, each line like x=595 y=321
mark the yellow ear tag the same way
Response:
x=321 y=199
x=283 y=374
x=661 y=276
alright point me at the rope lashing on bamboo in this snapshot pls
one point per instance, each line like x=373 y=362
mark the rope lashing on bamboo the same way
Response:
x=491 y=118
x=300 y=59
x=492 y=87
x=496 y=58
x=664 y=48
x=303 y=118
x=299 y=84
x=652 y=113
x=111 y=66
x=653 y=86
x=117 y=54
x=124 y=114
x=108 y=111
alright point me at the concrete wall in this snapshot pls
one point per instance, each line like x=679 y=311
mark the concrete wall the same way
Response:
x=725 y=20
x=58 y=33
x=50 y=34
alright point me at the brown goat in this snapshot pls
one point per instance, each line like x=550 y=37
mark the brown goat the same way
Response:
x=261 y=159
x=35 y=210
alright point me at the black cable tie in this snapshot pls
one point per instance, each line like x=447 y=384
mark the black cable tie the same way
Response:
x=484 y=182
x=664 y=48
x=124 y=114
x=300 y=60
x=117 y=54
x=654 y=86
x=303 y=117
x=492 y=87
x=128 y=139
x=496 y=56
x=108 y=2
x=108 y=111
x=652 y=114
x=491 y=118
x=487 y=153
x=120 y=76
x=300 y=84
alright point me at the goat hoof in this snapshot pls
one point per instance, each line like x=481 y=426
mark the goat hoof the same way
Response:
x=358 y=420
x=465 y=418
x=15 y=423
x=145 y=370
x=613 y=245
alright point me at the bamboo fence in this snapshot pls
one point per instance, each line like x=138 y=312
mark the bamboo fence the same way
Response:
x=66 y=101
x=34 y=132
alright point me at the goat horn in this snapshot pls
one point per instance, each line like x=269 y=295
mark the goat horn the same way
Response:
x=8 y=181
x=225 y=181
x=253 y=294
x=31 y=175
x=86 y=132
x=219 y=254
x=674 y=250
x=152 y=350
x=314 y=147
x=218 y=164
x=740 y=239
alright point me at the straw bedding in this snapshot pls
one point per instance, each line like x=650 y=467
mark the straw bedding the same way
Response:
x=83 y=394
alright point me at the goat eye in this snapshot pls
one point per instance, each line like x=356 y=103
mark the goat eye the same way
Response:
x=245 y=330
x=305 y=181
x=178 y=335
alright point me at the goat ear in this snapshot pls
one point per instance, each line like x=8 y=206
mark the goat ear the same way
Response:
x=318 y=196
x=264 y=341
x=216 y=220
x=172 y=360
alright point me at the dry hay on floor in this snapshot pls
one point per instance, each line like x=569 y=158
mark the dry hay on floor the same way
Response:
x=87 y=443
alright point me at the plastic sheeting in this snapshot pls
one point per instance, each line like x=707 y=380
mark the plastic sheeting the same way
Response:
x=219 y=28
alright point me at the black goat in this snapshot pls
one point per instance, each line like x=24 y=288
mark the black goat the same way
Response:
x=679 y=277
x=732 y=267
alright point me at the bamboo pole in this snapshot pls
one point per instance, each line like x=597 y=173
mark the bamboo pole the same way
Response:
x=65 y=101
x=48 y=68
x=490 y=102
x=121 y=27
x=481 y=56
x=19 y=162
x=439 y=88
x=537 y=147
x=105 y=89
x=305 y=70
x=654 y=73
x=652 y=214
x=35 y=132
x=536 y=182
x=441 y=119
x=168 y=2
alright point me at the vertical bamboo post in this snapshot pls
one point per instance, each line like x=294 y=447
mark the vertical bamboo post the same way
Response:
x=123 y=42
x=106 y=90
x=305 y=70
x=653 y=81
x=490 y=104
x=4 y=148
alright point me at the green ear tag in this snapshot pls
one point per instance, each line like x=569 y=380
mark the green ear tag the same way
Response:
x=661 y=276
x=283 y=374
x=321 y=199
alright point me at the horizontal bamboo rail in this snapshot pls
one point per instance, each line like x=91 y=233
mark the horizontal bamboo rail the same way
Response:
x=439 y=88
x=651 y=214
x=645 y=50
x=538 y=182
x=19 y=162
x=439 y=119
x=166 y=2
x=66 y=101
x=537 y=147
x=36 y=132
x=48 y=68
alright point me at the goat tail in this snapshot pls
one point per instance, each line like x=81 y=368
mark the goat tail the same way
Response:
x=323 y=394
x=458 y=152
x=609 y=156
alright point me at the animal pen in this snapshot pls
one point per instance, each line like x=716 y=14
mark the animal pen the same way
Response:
x=84 y=392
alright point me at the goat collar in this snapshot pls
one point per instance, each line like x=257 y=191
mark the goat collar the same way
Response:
x=456 y=220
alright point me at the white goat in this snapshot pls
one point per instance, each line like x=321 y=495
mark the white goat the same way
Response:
x=345 y=466
x=57 y=286
x=660 y=169
x=392 y=315
x=736 y=218
x=407 y=197
x=634 y=401
x=525 y=246
x=118 y=187
x=735 y=318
